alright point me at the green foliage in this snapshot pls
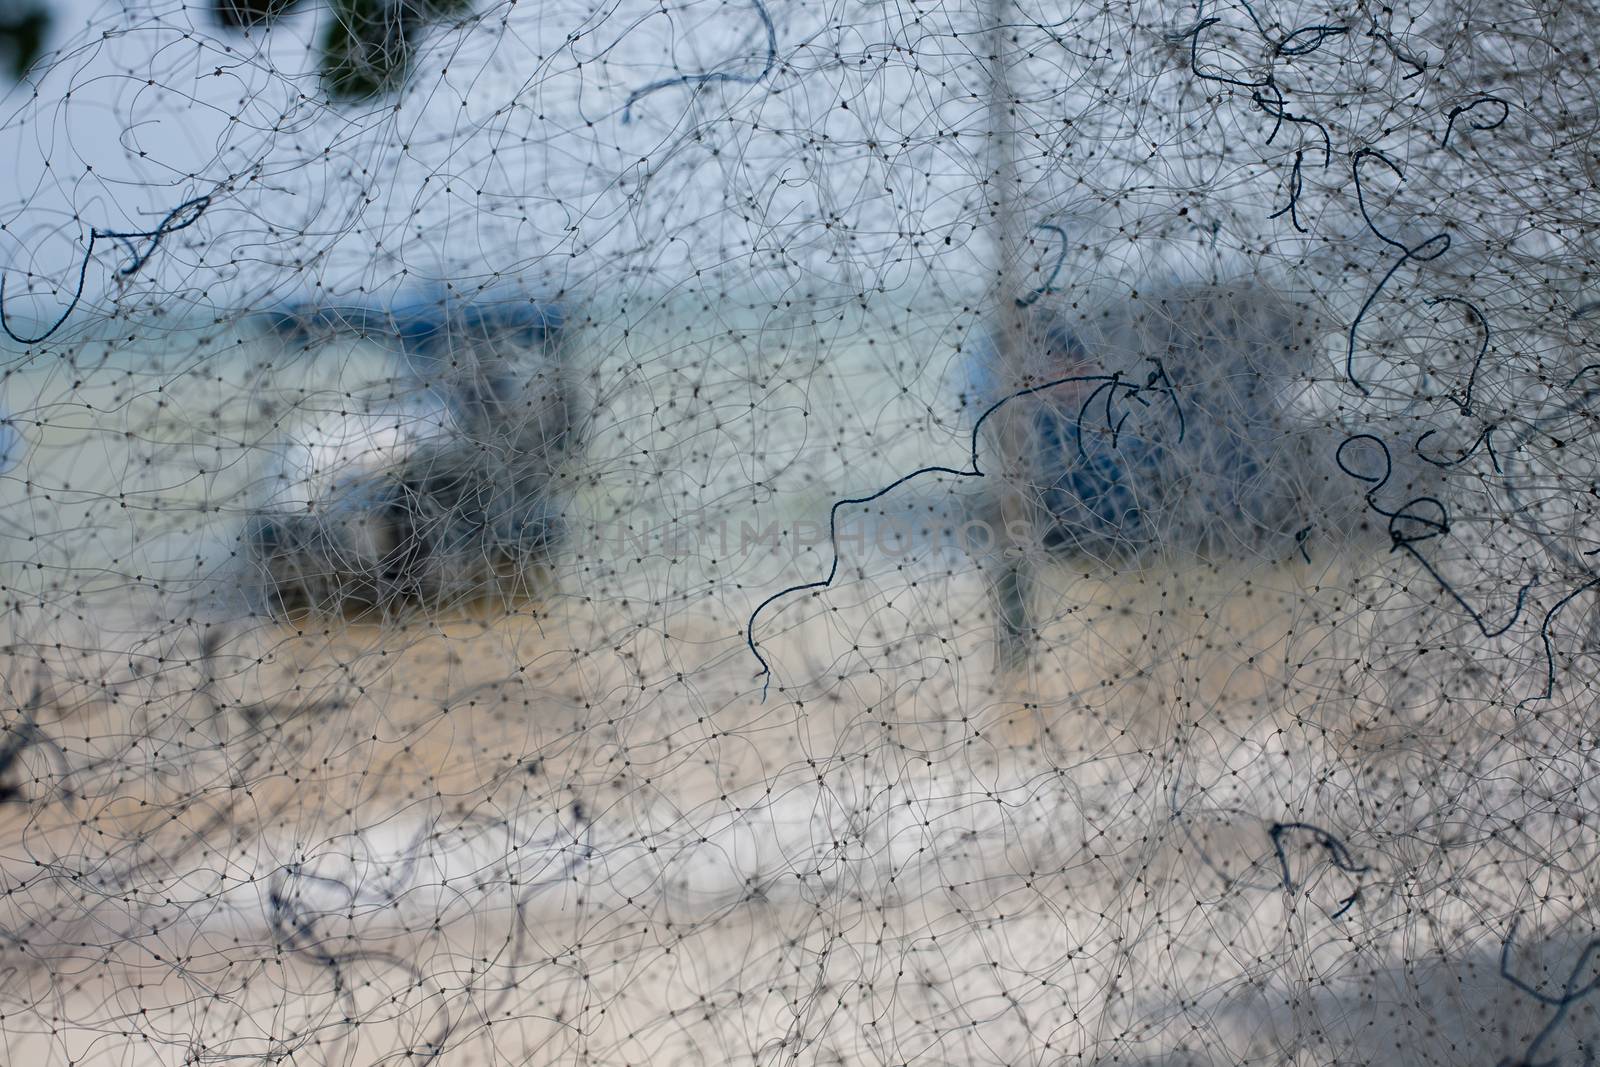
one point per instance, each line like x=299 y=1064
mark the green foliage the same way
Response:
x=368 y=44
x=22 y=31
x=366 y=50
x=244 y=14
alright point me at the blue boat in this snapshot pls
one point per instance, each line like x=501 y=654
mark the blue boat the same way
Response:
x=1171 y=436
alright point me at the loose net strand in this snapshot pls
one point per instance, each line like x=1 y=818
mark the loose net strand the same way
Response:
x=841 y=533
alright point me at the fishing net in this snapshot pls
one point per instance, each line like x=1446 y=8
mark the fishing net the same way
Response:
x=841 y=533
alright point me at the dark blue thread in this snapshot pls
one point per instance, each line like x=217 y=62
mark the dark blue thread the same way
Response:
x=1457 y=112
x=1281 y=114
x=1483 y=347
x=1570 y=993
x=1323 y=33
x=1346 y=904
x=1338 y=854
x=712 y=76
x=1110 y=388
x=1582 y=371
x=1407 y=255
x=1268 y=94
x=1485 y=438
x=1160 y=374
x=1430 y=527
x=1281 y=47
x=1296 y=184
x=833 y=513
x=1047 y=288
x=1549 y=649
x=138 y=259
x=1385 y=38
x=1193 y=36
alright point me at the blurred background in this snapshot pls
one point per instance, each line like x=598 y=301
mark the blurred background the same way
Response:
x=347 y=297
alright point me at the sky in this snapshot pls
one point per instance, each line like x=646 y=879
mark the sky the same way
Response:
x=540 y=142
x=791 y=151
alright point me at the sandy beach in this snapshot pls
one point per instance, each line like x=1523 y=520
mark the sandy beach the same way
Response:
x=1224 y=810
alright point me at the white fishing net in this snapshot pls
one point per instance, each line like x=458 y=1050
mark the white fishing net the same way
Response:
x=859 y=533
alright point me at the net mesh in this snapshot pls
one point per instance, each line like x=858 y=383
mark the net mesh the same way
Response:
x=853 y=532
